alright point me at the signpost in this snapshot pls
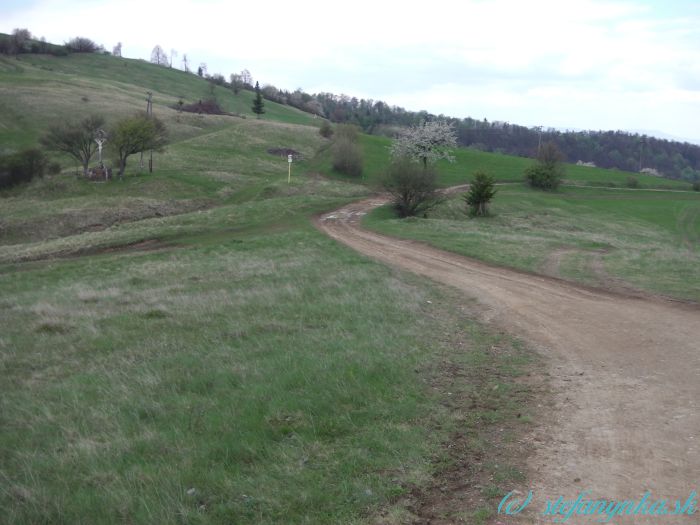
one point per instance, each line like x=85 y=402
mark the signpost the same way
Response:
x=290 y=158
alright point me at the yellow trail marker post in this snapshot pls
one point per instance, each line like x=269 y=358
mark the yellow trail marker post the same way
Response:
x=289 y=161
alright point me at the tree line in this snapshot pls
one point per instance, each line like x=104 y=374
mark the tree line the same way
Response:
x=605 y=149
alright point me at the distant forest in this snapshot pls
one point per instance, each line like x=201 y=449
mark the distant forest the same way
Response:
x=606 y=149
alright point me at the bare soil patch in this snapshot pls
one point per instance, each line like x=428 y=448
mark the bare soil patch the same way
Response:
x=284 y=152
x=79 y=220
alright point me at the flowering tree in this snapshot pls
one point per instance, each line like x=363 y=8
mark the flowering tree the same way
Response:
x=426 y=143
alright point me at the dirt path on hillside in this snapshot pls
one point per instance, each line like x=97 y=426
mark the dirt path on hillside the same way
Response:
x=625 y=372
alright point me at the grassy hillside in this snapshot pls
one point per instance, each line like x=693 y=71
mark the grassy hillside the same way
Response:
x=504 y=168
x=36 y=90
x=184 y=347
x=615 y=239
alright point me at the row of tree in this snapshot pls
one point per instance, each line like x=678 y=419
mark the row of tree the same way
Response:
x=21 y=41
x=135 y=134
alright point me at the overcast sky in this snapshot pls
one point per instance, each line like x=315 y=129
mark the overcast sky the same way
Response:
x=579 y=64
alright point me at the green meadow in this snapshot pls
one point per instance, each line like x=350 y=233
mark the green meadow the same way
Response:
x=504 y=168
x=612 y=238
x=184 y=347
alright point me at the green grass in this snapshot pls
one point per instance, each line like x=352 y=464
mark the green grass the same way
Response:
x=36 y=90
x=648 y=239
x=504 y=168
x=249 y=370
x=235 y=381
x=183 y=347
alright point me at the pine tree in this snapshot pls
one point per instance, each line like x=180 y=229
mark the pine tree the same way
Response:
x=481 y=191
x=258 y=101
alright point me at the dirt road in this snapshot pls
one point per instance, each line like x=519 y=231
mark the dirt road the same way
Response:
x=625 y=373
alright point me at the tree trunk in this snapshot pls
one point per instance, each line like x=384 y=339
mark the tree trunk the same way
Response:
x=122 y=167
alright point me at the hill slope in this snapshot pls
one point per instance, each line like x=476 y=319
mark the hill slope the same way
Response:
x=36 y=90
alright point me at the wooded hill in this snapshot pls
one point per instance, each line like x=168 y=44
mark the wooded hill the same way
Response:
x=607 y=149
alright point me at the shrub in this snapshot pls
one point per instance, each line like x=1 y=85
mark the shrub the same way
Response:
x=208 y=107
x=81 y=44
x=696 y=186
x=347 y=157
x=54 y=168
x=21 y=167
x=632 y=182
x=326 y=131
x=5 y=45
x=548 y=172
x=413 y=187
x=543 y=177
x=59 y=51
x=480 y=193
x=347 y=131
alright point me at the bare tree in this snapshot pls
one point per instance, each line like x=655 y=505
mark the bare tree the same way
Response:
x=158 y=56
x=247 y=79
x=19 y=40
x=236 y=83
x=117 y=50
x=185 y=63
x=202 y=69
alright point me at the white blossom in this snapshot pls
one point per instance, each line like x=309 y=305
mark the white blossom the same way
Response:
x=427 y=142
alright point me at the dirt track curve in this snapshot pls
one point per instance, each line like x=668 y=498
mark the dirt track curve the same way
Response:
x=625 y=372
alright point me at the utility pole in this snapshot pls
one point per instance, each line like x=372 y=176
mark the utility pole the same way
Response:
x=149 y=112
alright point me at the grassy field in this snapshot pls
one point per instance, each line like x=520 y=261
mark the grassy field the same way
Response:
x=648 y=240
x=243 y=368
x=36 y=90
x=184 y=347
x=504 y=168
